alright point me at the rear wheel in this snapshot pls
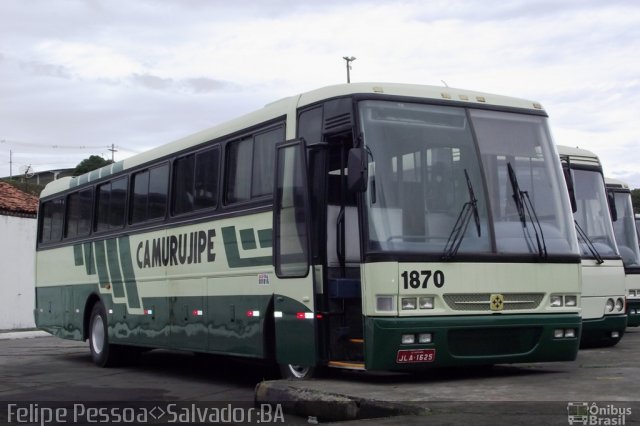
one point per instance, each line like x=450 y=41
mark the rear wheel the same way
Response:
x=103 y=353
x=296 y=372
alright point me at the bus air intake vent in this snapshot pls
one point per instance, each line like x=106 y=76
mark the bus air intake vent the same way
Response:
x=482 y=301
x=337 y=123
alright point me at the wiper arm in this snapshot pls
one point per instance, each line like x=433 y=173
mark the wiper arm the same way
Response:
x=525 y=207
x=517 y=194
x=469 y=209
x=473 y=201
x=589 y=243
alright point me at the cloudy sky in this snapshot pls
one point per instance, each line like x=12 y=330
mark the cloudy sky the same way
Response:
x=77 y=76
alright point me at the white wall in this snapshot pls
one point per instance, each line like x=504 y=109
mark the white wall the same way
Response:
x=17 y=272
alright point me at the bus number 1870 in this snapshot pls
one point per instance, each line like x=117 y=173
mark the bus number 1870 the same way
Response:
x=420 y=279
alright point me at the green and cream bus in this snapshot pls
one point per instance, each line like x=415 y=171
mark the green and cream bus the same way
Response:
x=360 y=226
x=624 y=228
x=603 y=282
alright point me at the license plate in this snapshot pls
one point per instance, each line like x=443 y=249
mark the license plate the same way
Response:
x=406 y=356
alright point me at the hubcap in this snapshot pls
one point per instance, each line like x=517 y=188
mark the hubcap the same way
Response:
x=298 y=371
x=97 y=334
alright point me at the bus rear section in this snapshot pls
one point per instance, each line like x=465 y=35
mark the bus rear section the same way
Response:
x=603 y=278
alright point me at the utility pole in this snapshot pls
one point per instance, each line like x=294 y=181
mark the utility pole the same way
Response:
x=349 y=59
x=113 y=151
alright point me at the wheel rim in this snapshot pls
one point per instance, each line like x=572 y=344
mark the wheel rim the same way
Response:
x=97 y=334
x=298 y=371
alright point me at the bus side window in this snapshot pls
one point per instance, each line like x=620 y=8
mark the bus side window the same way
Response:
x=78 y=223
x=150 y=194
x=250 y=164
x=52 y=220
x=195 y=181
x=111 y=204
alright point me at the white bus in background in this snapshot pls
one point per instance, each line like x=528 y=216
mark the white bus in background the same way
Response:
x=624 y=227
x=603 y=281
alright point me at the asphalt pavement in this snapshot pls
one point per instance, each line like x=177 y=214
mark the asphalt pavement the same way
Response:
x=601 y=387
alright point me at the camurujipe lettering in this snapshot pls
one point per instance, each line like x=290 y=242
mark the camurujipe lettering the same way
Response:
x=180 y=249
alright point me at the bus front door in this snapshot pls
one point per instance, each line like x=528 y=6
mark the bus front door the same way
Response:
x=294 y=304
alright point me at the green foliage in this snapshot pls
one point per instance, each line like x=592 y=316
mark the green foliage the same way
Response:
x=92 y=163
x=635 y=199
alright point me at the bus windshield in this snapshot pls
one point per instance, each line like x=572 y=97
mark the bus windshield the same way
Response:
x=430 y=165
x=593 y=213
x=625 y=230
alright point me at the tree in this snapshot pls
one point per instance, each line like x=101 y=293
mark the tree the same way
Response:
x=89 y=164
x=635 y=199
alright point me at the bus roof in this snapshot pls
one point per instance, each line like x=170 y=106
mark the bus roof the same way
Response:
x=615 y=184
x=579 y=156
x=288 y=106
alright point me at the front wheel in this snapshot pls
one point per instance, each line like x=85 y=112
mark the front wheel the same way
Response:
x=296 y=372
x=103 y=353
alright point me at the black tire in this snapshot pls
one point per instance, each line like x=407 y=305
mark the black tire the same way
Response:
x=103 y=353
x=296 y=372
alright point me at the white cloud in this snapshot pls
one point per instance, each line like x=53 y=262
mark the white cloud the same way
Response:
x=141 y=73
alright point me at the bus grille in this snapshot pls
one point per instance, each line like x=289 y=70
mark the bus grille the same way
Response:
x=481 y=301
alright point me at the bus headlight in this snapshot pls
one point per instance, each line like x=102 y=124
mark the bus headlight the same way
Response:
x=385 y=304
x=555 y=300
x=408 y=303
x=571 y=301
x=610 y=305
x=619 y=304
x=426 y=302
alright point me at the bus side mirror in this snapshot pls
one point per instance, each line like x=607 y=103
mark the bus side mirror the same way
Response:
x=568 y=178
x=358 y=170
x=611 y=198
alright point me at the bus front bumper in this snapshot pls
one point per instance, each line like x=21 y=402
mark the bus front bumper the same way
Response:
x=605 y=331
x=470 y=340
x=633 y=312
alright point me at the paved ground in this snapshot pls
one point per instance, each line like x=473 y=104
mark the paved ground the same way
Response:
x=38 y=369
x=504 y=394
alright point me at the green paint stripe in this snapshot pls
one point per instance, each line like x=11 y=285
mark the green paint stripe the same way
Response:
x=101 y=263
x=233 y=253
x=89 y=263
x=248 y=239
x=128 y=271
x=77 y=255
x=114 y=268
x=266 y=238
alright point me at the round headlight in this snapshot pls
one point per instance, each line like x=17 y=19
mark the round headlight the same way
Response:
x=610 y=305
x=619 y=304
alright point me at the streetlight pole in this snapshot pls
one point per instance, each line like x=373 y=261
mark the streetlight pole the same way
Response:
x=349 y=59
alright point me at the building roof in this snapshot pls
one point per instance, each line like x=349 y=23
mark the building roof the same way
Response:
x=14 y=202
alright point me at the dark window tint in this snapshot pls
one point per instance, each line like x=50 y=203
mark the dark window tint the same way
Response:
x=111 y=203
x=250 y=166
x=79 y=213
x=195 y=182
x=149 y=199
x=52 y=220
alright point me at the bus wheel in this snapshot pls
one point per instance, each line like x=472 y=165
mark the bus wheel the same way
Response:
x=296 y=372
x=103 y=354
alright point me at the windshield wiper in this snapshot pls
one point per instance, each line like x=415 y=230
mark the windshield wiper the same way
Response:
x=585 y=238
x=470 y=208
x=525 y=207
